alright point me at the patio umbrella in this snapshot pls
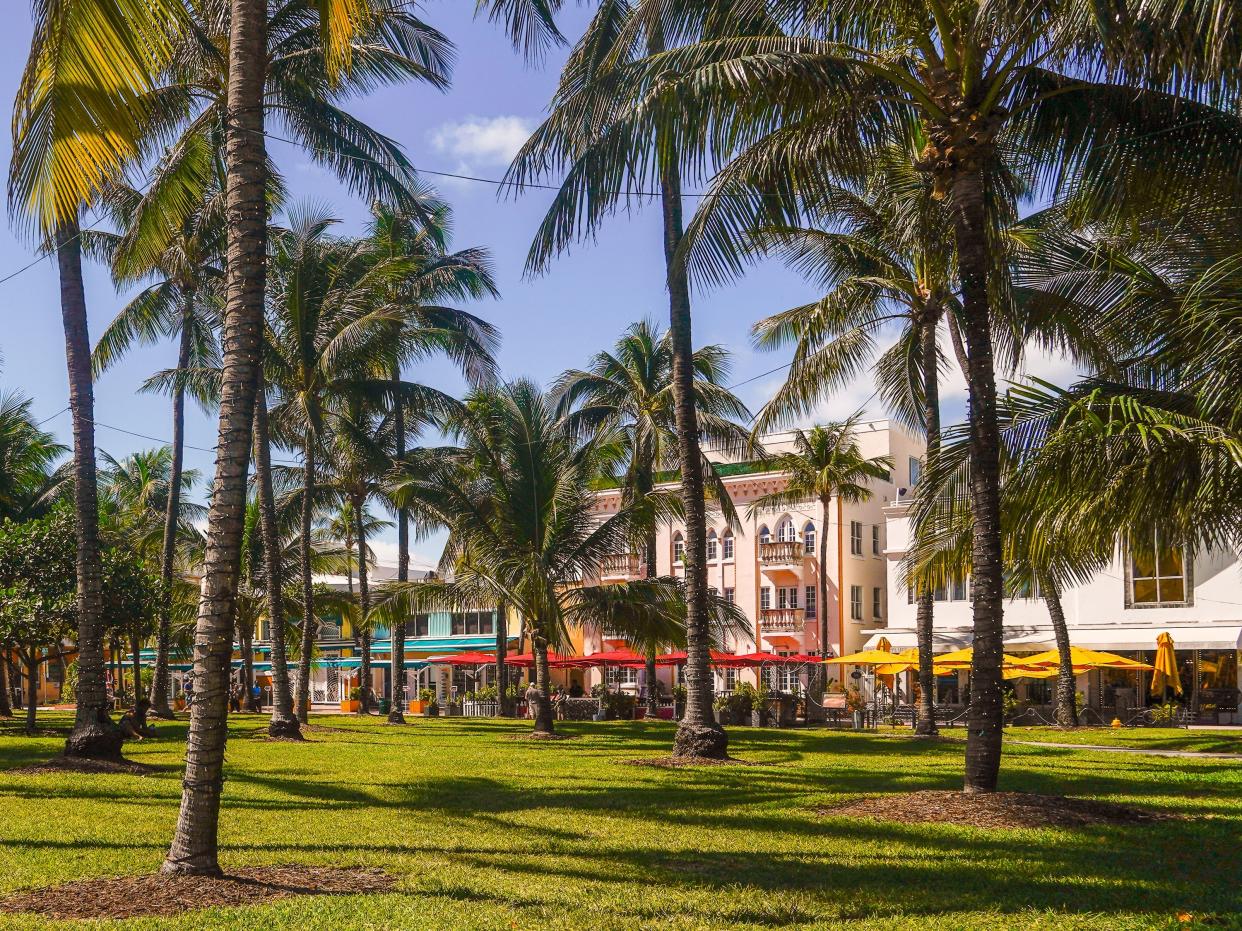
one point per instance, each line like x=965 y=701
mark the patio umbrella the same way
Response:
x=555 y=660
x=1086 y=659
x=716 y=657
x=864 y=658
x=1166 y=675
x=903 y=661
x=464 y=659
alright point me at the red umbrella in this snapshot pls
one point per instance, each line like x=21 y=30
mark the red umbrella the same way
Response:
x=717 y=658
x=555 y=660
x=465 y=659
x=758 y=659
x=611 y=658
x=802 y=658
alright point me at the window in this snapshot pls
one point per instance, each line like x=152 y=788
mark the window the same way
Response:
x=916 y=471
x=875 y=539
x=422 y=625
x=620 y=676
x=714 y=590
x=472 y=622
x=712 y=546
x=765 y=535
x=728 y=595
x=679 y=549
x=855 y=538
x=810 y=600
x=787 y=597
x=877 y=603
x=959 y=589
x=1157 y=572
x=856 y=602
x=808 y=539
x=785 y=531
x=730 y=679
x=726 y=546
x=765 y=598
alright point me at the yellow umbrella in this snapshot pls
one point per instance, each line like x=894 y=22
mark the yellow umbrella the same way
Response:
x=1166 y=675
x=906 y=659
x=961 y=659
x=1087 y=659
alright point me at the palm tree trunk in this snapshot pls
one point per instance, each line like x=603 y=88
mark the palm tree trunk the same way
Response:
x=649 y=563
x=284 y=723
x=194 y=847
x=93 y=735
x=135 y=645
x=159 y=682
x=364 y=605
x=698 y=734
x=1066 y=702
x=985 y=718
x=32 y=688
x=396 y=632
x=6 y=709
x=543 y=710
x=502 y=671
x=925 y=724
x=310 y=624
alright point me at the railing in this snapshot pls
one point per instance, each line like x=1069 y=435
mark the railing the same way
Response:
x=620 y=564
x=780 y=553
x=781 y=619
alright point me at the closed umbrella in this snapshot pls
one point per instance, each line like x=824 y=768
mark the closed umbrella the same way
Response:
x=1166 y=675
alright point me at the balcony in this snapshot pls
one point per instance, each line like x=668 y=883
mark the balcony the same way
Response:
x=781 y=620
x=620 y=566
x=780 y=553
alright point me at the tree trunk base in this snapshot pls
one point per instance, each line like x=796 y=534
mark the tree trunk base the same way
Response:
x=285 y=729
x=164 y=714
x=395 y=716
x=926 y=729
x=97 y=741
x=977 y=790
x=201 y=866
x=705 y=741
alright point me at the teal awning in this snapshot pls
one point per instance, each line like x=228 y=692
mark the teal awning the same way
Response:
x=440 y=646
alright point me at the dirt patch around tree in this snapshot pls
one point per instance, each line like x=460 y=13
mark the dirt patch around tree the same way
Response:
x=995 y=810
x=688 y=762
x=161 y=895
x=75 y=764
x=541 y=738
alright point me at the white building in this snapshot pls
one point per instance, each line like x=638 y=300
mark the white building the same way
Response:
x=1147 y=590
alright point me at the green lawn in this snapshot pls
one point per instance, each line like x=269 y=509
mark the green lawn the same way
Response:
x=485 y=832
x=1151 y=738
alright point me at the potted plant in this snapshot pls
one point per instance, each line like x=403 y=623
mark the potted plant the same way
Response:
x=759 y=704
x=354 y=702
x=428 y=703
x=854 y=704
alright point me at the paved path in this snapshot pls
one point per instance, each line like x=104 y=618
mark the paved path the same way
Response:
x=1143 y=751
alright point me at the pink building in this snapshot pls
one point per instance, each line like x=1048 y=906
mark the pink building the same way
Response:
x=771 y=565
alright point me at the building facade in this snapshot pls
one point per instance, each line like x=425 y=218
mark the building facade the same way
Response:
x=770 y=566
x=1148 y=589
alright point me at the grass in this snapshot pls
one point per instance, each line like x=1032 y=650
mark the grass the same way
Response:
x=485 y=832
x=1149 y=738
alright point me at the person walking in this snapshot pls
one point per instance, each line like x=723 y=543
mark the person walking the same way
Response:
x=256 y=698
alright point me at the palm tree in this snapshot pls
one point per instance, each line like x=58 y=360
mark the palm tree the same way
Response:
x=518 y=501
x=601 y=160
x=626 y=396
x=332 y=328
x=429 y=275
x=825 y=463
x=992 y=88
x=79 y=118
x=878 y=250
x=181 y=304
x=334 y=28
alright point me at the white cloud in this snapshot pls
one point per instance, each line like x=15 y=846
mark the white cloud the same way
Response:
x=482 y=140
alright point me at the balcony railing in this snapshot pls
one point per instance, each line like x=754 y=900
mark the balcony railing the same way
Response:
x=781 y=619
x=620 y=565
x=780 y=553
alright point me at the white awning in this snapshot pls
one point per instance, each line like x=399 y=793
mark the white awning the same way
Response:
x=1193 y=637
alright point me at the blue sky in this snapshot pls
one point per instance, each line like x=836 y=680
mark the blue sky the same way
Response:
x=548 y=324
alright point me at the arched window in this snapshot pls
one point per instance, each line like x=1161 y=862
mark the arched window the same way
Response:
x=808 y=538
x=713 y=548
x=785 y=531
x=679 y=549
x=765 y=535
x=726 y=545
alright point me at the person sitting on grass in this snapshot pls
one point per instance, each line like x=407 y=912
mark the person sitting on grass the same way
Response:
x=134 y=721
